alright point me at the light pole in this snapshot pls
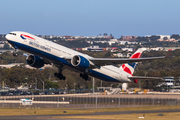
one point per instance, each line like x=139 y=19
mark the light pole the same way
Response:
x=49 y=77
x=43 y=85
x=3 y=84
x=74 y=85
x=93 y=85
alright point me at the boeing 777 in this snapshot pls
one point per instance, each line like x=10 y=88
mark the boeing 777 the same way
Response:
x=43 y=51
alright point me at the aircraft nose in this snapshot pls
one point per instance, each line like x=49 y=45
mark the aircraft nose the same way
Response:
x=7 y=37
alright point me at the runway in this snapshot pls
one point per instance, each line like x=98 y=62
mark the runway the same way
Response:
x=43 y=117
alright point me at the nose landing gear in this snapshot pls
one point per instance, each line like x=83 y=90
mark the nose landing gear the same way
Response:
x=14 y=54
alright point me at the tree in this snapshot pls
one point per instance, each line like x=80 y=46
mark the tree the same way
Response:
x=105 y=34
x=142 y=39
x=175 y=36
x=50 y=84
x=108 y=54
x=154 y=37
x=165 y=38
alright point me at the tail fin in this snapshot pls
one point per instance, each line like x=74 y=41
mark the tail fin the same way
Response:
x=130 y=67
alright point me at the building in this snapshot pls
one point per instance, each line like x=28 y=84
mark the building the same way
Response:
x=168 y=82
x=128 y=49
x=120 y=55
x=127 y=42
x=165 y=36
x=2 y=44
x=95 y=48
x=128 y=38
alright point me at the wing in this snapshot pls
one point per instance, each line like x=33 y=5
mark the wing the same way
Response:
x=97 y=62
x=144 y=78
x=112 y=61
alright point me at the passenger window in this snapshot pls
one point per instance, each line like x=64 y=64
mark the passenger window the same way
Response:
x=12 y=33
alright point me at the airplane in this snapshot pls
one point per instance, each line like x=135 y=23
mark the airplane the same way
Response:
x=43 y=52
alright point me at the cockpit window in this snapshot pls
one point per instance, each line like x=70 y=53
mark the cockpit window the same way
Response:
x=12 y=33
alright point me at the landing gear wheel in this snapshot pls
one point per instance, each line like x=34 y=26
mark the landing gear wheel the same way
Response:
x=60 y=76
x=64 y=78
x=85 y=76
x=81 y=75
x=55 y=74
x=14 y=54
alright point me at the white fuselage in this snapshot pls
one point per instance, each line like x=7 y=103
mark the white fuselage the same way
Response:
x=57 y=53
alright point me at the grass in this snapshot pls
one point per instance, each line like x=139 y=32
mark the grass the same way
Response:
x=50 y=111
x=149 y=116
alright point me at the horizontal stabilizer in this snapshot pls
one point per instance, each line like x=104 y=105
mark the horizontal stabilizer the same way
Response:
x=144 y=78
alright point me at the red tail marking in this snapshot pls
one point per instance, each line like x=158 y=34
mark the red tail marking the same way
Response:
x=126 y=69
x=137 y=55
x=135 y=81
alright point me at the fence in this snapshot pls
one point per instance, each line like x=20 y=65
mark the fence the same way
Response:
x=56 y=101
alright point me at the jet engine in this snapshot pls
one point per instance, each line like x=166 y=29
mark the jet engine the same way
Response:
x=80 y=62
x=35 y=61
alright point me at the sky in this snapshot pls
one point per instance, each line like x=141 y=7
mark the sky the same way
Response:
x=91 y=17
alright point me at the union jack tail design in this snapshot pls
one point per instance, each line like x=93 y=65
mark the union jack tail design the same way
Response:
x=130 y=67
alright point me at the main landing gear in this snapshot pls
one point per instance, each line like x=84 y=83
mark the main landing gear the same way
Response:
x=85 y=76
x=60 y=75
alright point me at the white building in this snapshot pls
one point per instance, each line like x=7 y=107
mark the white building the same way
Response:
x=127 y=49
x=111 y=42
x=123 y=42
x=163 y=36
x=120 y=55
x=127 y=42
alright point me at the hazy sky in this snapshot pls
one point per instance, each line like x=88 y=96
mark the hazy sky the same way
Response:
x=91 y=17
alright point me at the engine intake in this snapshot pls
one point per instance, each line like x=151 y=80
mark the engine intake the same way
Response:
x=80 y=62
x=35 y=61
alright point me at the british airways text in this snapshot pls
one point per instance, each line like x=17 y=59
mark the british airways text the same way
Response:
x=40 y=46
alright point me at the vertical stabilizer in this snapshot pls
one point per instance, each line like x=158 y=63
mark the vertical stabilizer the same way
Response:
x=130 y=67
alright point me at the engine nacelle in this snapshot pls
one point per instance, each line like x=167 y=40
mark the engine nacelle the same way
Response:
x=35 y=61
x=80 y=62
